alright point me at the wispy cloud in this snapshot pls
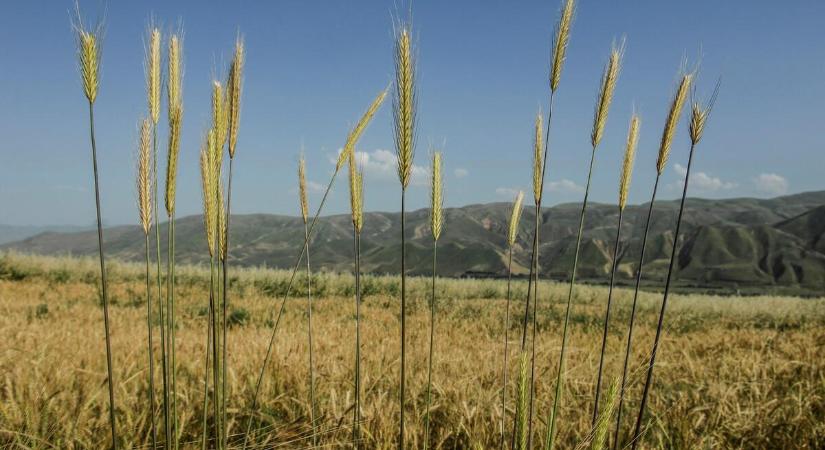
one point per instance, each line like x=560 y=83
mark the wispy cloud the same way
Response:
x=461 y=172
x=506 y=192
x=382 y=165
x=701 y=181
x=563 y=185
x=771 y=183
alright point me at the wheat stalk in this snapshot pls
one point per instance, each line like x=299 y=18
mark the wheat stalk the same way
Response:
x=404 y=115
x=436 y=224
x=152 y=65
x=174 y=97
x=512 y=232
x=89 y=53
x=302 y=198
x=352 y=139
x=664 y=150
x=624 y=186
x=697 y=124
x=144 y=191
x=356 y=209
x=611 y=73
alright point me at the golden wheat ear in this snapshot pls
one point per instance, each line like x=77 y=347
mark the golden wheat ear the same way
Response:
x=560 y=41
x=302 y=188
x=235 y=84
x=673 y=116
x=358 y=129
x=436 y=197
x=538 y=166
x=629 y=158
x=404 y=104
x=88 y=52
x=700 y=112
x=144 y=182
x=608 y=86
x=152 y=67
x=515 y=217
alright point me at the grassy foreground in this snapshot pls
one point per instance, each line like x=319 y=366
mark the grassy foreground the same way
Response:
x=734 y=372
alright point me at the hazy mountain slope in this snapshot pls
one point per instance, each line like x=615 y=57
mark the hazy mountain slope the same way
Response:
x=732 y=242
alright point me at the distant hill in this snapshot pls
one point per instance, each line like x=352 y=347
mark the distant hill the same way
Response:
x=12 y=233
x=743 y=243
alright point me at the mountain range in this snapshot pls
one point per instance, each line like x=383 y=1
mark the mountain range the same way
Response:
x=742 y=244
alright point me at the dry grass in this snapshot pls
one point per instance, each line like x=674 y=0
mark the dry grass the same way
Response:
x=735 y=373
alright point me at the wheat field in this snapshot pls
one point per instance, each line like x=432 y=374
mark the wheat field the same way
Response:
x=736 y=372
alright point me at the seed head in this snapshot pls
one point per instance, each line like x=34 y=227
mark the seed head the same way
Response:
x=208 y=194
x=175 y=77
x=700 y=113
x=235 y=79
x=515 y=217
x=629 y=156
x=153 y=74
x=144 y=183
x=302 y=189
x=172 y=159
x=355 y=133
x=404 y=105
x=672 y=120
x=538 y=166
x=436 y=198
x=355 y=191
x=220 y=116
x=88 y=48
x=608 y=86
x=560 y=40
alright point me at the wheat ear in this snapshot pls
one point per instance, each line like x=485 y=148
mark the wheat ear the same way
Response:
x=560 y=41
x=538 y=165
x=153 y=74
x=609 y=77
x=673 y=116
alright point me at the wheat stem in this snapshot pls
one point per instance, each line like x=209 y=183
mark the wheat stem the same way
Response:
x=151 y=346
x=103 y=278
x=311 y=351
x=506 y=343
x=557 y=399
x=162 y=316
x=432 y=343
x=607 y=315
x=652 y=361
x=633 y=315
x=208 y=349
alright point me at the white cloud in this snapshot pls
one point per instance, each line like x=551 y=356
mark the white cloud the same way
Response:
x=563 y=185
x=312 y=188
x=701 y=181
x=461 y=172
x=383 y=165
x=506 y=192
x=771 y=183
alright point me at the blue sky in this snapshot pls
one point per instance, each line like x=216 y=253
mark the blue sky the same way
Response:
x=313 y=66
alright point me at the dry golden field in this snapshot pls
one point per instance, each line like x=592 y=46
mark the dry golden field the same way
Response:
x=733 y=372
